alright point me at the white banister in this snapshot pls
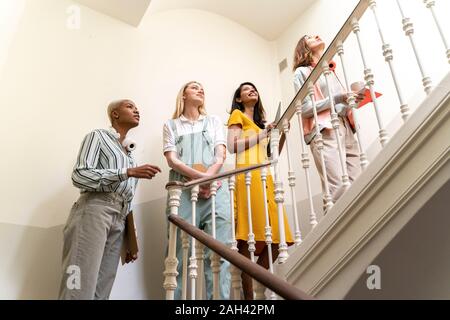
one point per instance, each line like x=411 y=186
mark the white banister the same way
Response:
x=268 y=228
x=408 y=27
x=305 y=164
x=368 y=76
x=352 y=102
x=319 y=142
x=199 y=255
x=291 y=178
x=430 y=5
x=279 y=195
x=259 y=291
x=251 y=236
x=171 y=262
x=236 y=282
x=215 y=258
x=193 y=267
x=389 y=57
x=335 y=123
x=185 y=246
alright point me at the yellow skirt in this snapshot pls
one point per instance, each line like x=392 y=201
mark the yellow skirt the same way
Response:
x=257 y=208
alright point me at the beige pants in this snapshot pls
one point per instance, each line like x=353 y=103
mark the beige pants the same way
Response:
x=331 y=156
x=93 y=238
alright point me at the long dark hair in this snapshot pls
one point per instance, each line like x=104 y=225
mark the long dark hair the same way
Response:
x=259 y=114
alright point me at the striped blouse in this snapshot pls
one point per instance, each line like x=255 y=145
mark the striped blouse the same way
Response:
x=102 y=165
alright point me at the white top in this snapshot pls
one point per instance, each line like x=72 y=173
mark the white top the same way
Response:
x=215 y=129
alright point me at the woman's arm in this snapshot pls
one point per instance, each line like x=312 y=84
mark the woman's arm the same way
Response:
x=237 y=144
x=220 y=154
x=178 y=165
x=321 y=105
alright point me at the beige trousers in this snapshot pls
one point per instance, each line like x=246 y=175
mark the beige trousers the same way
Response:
x=331 y=156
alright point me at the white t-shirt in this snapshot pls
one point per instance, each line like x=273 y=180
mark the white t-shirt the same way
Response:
x=214 y=127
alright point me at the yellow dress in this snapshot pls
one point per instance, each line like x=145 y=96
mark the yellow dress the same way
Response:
x=255 y=155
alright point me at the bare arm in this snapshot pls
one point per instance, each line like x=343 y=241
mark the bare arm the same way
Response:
x=220 y=155
x=340 y=99
x=237 y=144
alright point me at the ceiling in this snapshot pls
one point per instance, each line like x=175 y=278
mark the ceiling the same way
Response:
x=128 y=11
x=266 y=18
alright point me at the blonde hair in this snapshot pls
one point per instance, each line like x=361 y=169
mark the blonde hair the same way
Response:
x=113 y=106
x=179 y=109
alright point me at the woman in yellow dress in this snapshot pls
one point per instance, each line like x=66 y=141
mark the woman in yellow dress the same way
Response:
x=248 y=139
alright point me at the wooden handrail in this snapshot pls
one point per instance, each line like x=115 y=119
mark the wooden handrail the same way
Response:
x=218 y=176
x=263 y=276
x=342 y=35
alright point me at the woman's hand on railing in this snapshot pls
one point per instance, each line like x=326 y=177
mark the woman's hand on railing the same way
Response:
x=205 y=190
x=271 y=126
x=266 y=132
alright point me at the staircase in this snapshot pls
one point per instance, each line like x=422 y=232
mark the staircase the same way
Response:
x=338 y=253
x=412 y=168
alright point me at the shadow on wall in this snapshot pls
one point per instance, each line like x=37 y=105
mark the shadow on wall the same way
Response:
x=416 y=263
x=31 y=267
x=42 y=274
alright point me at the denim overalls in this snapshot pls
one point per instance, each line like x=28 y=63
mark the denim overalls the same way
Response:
x=198 y=148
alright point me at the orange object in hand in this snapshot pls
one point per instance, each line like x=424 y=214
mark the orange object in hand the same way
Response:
x=368 y=98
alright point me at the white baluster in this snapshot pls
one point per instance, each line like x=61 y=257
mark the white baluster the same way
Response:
x=232 y=188
x=368 y=76
x=305 y=163
x=291 y=178
x=279 y=195
x=236 y=281
x=430 y=5
x=251 y=236
x=336 y=124
x=171 y=262
x=352 y=102
x=215 y=258
x=408 y=27
x=268 y=228
x=389 y=57
x=319 y=141
x=260 y=291
x=193 y=267
x=185 y=246
x=199 y=255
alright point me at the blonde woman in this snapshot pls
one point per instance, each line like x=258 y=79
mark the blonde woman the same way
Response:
x=195 y=147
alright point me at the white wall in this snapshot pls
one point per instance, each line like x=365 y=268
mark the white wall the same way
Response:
x=325 y=18
x=56 y=83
